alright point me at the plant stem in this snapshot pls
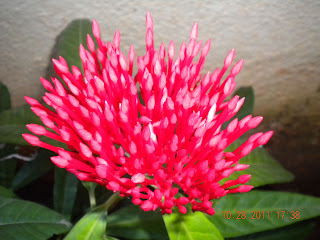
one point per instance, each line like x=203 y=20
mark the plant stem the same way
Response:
x=110 y=203
x=92 y=197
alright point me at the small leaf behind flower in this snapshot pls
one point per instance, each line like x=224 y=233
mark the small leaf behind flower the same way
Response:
x=71 y=38
x=264 y=169
x=5 y=100
x=13 y=124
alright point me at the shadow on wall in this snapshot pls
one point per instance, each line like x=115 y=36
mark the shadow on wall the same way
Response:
x=62 y=44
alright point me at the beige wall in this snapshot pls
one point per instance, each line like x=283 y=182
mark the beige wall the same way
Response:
x=279 y=41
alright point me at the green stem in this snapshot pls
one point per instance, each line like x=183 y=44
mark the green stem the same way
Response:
x=92 y=197
x=110 y=203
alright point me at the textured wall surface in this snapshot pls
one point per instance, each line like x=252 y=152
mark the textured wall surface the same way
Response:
x=279 y=41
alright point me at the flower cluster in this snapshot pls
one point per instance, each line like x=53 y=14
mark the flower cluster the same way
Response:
x=168 y=141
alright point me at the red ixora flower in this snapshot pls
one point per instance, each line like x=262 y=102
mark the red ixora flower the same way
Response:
x=172 y=142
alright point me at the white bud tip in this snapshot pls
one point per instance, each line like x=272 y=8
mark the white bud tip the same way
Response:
x=211 y=113
x=95 y=29
x=194 y=31
x=149 y=22
x=228 y=60
x=138 y=178
x=116 y=40
x=237 y=68
x=171 y=49
x=206 y=48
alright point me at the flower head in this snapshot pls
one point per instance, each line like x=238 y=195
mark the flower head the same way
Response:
x=149 y=149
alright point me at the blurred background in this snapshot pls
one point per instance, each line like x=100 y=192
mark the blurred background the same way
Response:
x=279 y=41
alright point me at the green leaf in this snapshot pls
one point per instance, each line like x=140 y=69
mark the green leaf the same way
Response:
x=134 y=223
x=111 y=238
x=293 y=232
x=264 y=169
x=19 y=116
x=65 y=191
x=268 y=202
x=190 y=226
x=7 y=171
x=7 y=164
x=5 y=101
x=33 y=170
x=29 y=221
x=13 y=124
x=4 y=192
x=91 y=226
x=71 y=38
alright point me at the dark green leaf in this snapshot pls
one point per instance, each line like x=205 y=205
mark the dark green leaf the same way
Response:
x=91 y=226
x=12 y=134
x=19 y=116
x=264 y=169
x=7 y=164
x=134 y=223
x=5 y=101
x=71 y=38
x=293 y=232
x=33 y=170
x=306 y=206
x=111 y=238
x=29 y=221
x=4 y=192
x=13 y=124
x=190 y=226
x=65 y=191
x=7 y=171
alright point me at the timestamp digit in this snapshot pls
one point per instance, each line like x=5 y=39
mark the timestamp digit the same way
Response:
x=280 y=214
x=253 y=215
x=241 y=215
x=295 y=214
x=226 y=215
